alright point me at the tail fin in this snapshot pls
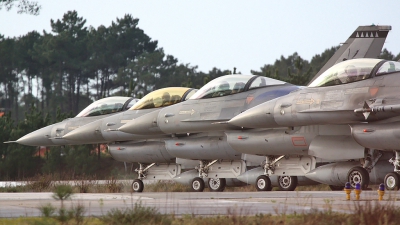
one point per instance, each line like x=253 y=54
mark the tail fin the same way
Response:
x=364 y=42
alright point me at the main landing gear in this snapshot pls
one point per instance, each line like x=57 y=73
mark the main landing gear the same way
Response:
x=285 y=183
x=137 y=184
x=392 y=180
x=198 y=184
x=263 y=183
x=359 y=175
x=215 y=184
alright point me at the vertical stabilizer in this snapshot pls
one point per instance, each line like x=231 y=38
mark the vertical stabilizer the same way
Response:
x=364 y=42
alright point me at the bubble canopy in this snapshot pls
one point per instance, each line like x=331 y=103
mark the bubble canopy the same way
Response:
x=164 y=97
x=355 y=70
x=107 y=106
x=233 y=84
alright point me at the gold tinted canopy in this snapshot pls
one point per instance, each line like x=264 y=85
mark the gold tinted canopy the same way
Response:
x=164 y=97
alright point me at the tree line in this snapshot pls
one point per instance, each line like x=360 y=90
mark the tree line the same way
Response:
x=73 y=65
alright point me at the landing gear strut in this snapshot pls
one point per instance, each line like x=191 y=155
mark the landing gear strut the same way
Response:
x=263 y=182
x=203 y=169
x=371 y=158
x=198 y=182
x=269 y=166
x=392 y=180
x=137 y=184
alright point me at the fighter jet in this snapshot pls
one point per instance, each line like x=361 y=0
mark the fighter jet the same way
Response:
x=104 y=130
x=362 y=93
x=147 y=150
x=220 y=100
x=52 y=134
x=215 y=103
x=113 y=107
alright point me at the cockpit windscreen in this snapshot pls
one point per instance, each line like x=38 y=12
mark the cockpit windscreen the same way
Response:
x=233 y=84
x=388 y=67
x=104 y=106
x=221 y=86
x=346 y=72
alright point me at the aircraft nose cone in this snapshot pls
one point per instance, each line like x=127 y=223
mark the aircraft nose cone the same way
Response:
x=37 y=138
x=144 y=125
x=260 y=116
x=88 y=134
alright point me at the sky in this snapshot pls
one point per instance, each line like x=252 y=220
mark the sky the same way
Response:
x=245 y=34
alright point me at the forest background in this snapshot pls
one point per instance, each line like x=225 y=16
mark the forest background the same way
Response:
x=45 y=78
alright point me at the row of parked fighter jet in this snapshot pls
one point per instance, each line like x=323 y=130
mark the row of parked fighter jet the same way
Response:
x=245 y=129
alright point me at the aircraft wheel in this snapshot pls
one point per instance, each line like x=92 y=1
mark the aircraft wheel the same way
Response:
x=336 y=188
x=358 y=175
x=287 y=183
x=198 y=184
x=263 y=183
x=392 y=181
x=217 y=184
x=137 y=185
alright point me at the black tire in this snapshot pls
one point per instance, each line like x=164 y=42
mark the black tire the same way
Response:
x=358 y=175
x=137 y=185
x=198 y=184
x=392 y=181
x=287 y=183
x=336 y=188
x=263 y=183
x=217 y=184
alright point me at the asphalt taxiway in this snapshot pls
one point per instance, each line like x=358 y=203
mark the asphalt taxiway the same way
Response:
x=204 y=203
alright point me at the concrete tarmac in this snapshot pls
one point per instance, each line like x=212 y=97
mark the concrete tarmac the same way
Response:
x=204 y=203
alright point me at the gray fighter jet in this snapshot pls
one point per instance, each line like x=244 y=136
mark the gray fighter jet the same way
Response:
x=104 y=130
x=362 y=93
x=113 y=107
x=94 y=127
x=52 y=134
x=218 y=101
